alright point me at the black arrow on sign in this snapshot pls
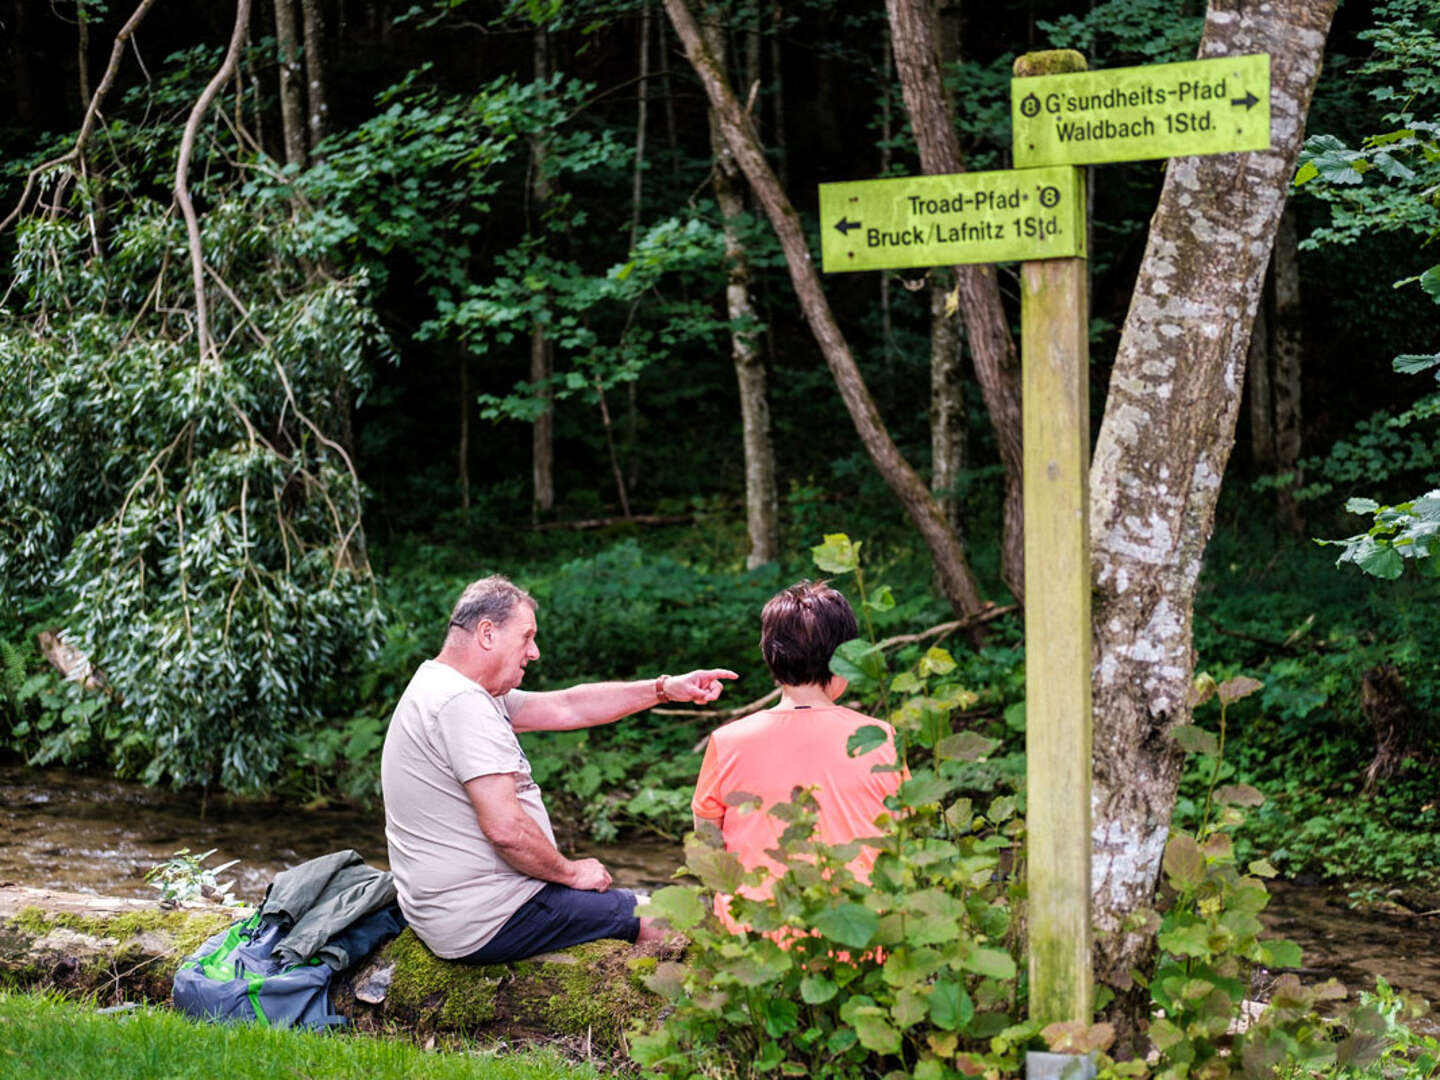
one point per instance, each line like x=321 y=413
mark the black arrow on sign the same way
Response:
x=1249 y=100
x=843 y=226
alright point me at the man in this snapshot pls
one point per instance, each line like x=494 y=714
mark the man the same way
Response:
x=801 y=742
x=476 y=868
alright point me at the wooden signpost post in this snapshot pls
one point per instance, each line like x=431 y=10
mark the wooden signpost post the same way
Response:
x=1063 y=117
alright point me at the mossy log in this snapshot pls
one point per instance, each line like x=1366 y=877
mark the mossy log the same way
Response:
x=120 y=949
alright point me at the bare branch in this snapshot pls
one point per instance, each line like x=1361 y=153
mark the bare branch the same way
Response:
x=96 y=100
x=208 y=356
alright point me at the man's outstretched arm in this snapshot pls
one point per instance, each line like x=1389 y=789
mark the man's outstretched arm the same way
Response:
x=521 y=842
x=590 y=704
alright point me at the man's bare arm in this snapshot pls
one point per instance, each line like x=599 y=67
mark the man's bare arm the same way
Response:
x=590 y=704
x=521 y=842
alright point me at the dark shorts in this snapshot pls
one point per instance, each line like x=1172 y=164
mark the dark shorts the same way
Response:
x=556 y=917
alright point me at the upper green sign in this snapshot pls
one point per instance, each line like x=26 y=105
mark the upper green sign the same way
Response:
x=980 y=217
x=1130 y=114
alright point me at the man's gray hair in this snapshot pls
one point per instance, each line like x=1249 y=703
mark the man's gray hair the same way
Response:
x=494 y=598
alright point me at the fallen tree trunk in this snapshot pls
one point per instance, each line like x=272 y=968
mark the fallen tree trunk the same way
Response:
x=123 y=950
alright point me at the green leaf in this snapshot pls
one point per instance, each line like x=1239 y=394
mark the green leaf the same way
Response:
x=992 y=963
x=1413 y=364
x=817 y=989
x=1239 y=795
x=950 y=1006
x=781 y=1016
x=679 y=905
x=1379 y=558
x=1192 y=940
x=965 y=746
x=1194 y=740
x=875 y=1032
x=924 y=788
x=882 y=599
x=1242 y=686
x=1280 y=954
x=865 y=739
x=1430 y=282
x=860 y=663
x=837 y=555
x=1015 y=716
x=1184 y=863
x=848 y=924
x=936 y=661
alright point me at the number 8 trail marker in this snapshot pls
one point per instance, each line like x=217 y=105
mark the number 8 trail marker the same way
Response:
x=1131 y=114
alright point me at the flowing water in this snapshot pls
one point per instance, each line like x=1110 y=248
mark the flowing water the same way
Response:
x=83 y=833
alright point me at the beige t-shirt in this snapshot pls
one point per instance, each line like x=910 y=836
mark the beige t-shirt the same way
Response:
x=454 y=887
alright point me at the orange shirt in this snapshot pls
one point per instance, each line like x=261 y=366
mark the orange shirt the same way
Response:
x=769 y=754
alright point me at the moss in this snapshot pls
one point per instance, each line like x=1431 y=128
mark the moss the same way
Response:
x=184 y=929
x=439 y=992
x=1049 y=62
x=596 y=994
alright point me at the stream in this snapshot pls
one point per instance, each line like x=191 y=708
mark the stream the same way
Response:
x=84 y=833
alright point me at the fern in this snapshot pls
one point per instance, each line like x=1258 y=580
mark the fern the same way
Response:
x=12 y=670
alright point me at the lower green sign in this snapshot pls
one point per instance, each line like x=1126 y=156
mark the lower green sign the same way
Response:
x=982 y=217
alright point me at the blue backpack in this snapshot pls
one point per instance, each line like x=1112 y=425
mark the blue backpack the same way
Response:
x=234 y=975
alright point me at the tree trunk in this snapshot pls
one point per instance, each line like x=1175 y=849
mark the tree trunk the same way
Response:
x=1257 y=383
x=777 y=98
x=542 y=351
x=945 y=550
x=292 y=82
x=762 y=499
x=462 y=450
x=82 y=54
x=997 y=364
x=947 y=403
x=672 y=131
x=1287 y=346
x=1168 y=429
x=313 y=14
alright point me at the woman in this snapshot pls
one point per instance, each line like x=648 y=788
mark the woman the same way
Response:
x=798 y=743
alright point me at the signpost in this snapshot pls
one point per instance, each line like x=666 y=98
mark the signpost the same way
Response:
x=980 y=217
x=1063 y=116
x=1130 y=114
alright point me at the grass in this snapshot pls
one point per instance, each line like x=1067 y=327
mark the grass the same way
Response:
x=43 y=1037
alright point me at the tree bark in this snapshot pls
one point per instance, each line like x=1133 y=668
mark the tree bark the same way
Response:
x=997 y=364
x=1287 y=348
x=462 y=450
x=762 y=498
x=542 y=350
x=292 y=81
x=1168 y=429
x=947 y=404
x=312 y=12
x=1257 y=383
x=82 y=53
x=949 y=557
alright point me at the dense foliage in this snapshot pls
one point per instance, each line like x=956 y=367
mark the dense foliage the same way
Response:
x=255 y=552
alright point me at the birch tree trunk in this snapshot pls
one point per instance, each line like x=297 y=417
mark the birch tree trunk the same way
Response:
x=945 y=551
x=947 y=403
x=1168 y=429
x=1287 y=344
x=997 y=364
x=312 y=13
x=542 y=351
x=292 y=81
x=762 y=498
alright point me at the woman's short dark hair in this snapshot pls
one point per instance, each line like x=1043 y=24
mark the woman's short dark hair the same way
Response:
x=800 y=629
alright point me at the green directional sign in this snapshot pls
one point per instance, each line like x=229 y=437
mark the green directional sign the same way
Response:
x=981 y=217
x=1130 y=114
